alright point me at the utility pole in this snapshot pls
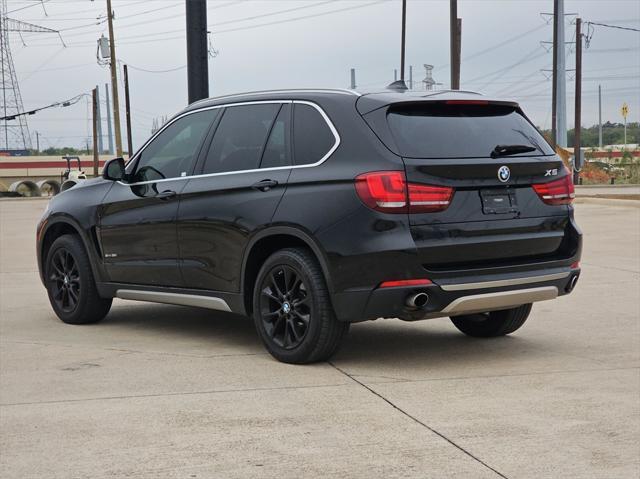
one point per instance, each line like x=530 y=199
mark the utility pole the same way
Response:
x=577 y=152
x=561 y=109
x=599 y=116
x=127 y=106
x=109 y=124
x=410 y=77
x=94 y=95
x=114 y=81
x=100 y=144
x=459 y=50
x=402 y=41
x=554 y=79
x=625 y=112
x=353 y=79
x=395 y=74
x=197 y=52
x=38 y=142
x=454 y=48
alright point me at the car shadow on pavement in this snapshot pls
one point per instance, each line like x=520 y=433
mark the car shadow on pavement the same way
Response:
x=424 y=343
x=432 y=344
x=184 y=323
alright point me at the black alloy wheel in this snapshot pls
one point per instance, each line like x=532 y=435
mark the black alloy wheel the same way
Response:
x=285 y=306
x=292 y=308
x=64 y=277
x=72 y=290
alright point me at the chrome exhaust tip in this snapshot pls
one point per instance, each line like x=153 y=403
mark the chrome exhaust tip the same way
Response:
x=417 y=300
x=572 y=283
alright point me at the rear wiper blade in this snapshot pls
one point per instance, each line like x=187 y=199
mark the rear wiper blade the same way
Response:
x=506 y=150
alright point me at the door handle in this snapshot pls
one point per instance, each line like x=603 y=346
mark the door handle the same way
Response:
x=264 y=185
x=166 y=195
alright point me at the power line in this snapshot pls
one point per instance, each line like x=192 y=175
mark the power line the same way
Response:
x=248 y=27
x=64 y=103
x=165 y=32
x=527 y=58
x=613 y=26
x=29 y=6
x=154 y=71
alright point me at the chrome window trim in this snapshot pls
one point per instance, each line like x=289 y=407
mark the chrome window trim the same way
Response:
x=326 y=118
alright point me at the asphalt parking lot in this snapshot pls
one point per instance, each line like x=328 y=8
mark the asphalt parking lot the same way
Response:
x=164 y=391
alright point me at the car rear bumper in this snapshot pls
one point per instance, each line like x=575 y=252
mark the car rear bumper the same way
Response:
x=455 y=296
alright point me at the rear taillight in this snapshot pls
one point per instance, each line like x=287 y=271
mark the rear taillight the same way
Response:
x=389 y=192
x=557 y=192
x=383 y=191
x=428 y=198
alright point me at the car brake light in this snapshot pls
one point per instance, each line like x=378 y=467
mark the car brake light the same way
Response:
x=575 y=265
x=428 y=199
x=467 y=102
x=383 y=191
x=389 y=192
x=557 y=192
x=406 y=282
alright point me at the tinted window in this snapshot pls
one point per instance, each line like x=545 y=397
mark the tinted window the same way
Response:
x=173 y=152
x=276 y=153
x=312 y=138
x=461 y=131
x=240 y=138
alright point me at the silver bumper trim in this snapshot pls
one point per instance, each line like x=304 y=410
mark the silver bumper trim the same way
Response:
x=500 y=300
x=504 y=282
x=208 y=302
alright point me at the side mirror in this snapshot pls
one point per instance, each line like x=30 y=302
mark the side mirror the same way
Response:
x=114 y=169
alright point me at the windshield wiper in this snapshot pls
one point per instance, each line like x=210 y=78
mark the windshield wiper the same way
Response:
x=506 y=150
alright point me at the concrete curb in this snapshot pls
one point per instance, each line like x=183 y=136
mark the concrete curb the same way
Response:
x=578 y=187
x=607 y=202
x=28 y=198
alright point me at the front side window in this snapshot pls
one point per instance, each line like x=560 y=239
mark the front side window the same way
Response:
x=312 y=137
x=174 y=151
x=240 y=138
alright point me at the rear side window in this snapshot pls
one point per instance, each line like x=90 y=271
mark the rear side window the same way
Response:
x=276 y=152
x=441 y=130
x=240 y=138
x=312 y=137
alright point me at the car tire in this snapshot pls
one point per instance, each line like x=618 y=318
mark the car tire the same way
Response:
x=292 y=309
x=494 y=323
x=70 y=284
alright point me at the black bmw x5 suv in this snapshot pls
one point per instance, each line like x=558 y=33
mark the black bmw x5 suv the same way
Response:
x=312 y=209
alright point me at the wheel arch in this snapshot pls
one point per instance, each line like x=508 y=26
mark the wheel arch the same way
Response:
x=60 y=225
x=267 y=242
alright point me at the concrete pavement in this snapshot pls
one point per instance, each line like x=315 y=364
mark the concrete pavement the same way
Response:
x=164 y=391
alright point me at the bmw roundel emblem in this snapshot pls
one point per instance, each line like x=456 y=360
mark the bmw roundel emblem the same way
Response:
x=504 y=173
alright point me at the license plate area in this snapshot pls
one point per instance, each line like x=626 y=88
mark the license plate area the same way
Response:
x=498 y=201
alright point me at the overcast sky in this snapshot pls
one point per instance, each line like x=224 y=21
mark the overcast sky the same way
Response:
x=265 y=44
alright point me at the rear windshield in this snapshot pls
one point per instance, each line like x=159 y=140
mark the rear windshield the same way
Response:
x=441 y=130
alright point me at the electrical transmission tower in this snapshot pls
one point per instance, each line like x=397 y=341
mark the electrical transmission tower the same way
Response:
x=14 y=131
